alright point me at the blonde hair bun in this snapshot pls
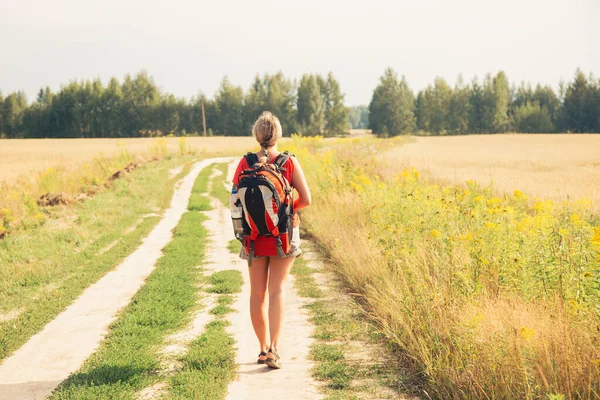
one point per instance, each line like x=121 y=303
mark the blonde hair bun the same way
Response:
x=267 y=130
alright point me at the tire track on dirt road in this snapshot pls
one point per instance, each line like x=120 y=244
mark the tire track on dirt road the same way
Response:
x=51 y=355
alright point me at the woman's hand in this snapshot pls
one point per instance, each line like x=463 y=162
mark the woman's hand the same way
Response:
x=301 y=186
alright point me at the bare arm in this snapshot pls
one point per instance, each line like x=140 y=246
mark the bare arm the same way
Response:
x=301 y=186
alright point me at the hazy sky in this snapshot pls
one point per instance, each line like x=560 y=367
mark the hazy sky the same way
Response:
x=189 y=45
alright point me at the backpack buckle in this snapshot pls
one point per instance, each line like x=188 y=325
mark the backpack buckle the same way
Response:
x=280 y=252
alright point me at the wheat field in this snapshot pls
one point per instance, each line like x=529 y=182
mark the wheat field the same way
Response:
x=24 y=157
x=558 y=167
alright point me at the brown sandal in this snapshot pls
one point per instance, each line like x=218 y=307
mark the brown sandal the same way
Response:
x=273 y=362
x=262 y=353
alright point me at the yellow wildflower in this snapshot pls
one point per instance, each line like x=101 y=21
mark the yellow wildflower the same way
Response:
x=355 y=186
x=574 y=304
x=519 y=195
x=574 y=218
x=494 y=202
x=526 y=333
x=596 y=237
x=365 y=180
x=490 y=225
x=543 y=205
x=435 y=233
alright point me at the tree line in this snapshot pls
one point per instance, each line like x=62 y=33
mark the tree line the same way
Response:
x=490 y=106
x=136 y=107
x=313 y=105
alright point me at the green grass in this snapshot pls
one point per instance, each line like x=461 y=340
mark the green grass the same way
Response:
x=305 y=283
x=222 y=306
x=234 y=246
x=127 y=359
x=45 y=269
x=217 y=186
x=337 y=374
x=209 y=365
x=340 y=325
x=228 y=281
x=198 y=200
x=324 y=352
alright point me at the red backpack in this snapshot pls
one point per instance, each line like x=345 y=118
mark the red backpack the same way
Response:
x=268 y=207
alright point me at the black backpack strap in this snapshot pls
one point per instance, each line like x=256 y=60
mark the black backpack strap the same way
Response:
x=251 y=159
x=282 y=158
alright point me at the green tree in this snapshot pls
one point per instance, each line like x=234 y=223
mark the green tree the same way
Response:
x=229 y=110
x=531 y=117
x=433 y=107
x=459 y=108
x=273 y=93
x=111 y=108
x=141 y=97
x=281 y=100
x=359 y=117
x=581 y=107
x=336 y=113
x=530 y=109
x=423 y=110
x=36 y=117
x=501 y=94
x=2 y=127
x=196 y=123
x=522 y=95
x=546 y=97
x=311 y=110
x=14 y=106
x=255 y=102
x=167 y=116
x=392 y=108
x=481 y=118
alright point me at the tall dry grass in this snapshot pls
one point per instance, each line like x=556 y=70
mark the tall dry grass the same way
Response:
x=485 y=297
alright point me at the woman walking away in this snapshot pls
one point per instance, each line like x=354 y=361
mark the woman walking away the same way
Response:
x=265 y=221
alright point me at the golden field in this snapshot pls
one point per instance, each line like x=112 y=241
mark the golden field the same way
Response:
x=551 y=166
x=30 y=168
x=20 y=157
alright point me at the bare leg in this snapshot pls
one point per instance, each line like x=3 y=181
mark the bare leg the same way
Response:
x=259 y=274
x=279 y=271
